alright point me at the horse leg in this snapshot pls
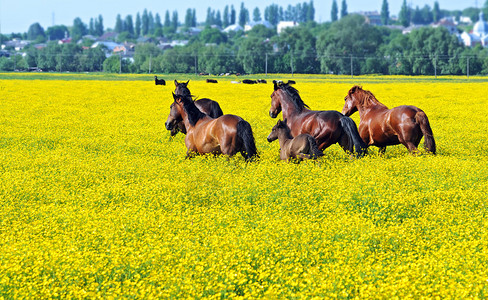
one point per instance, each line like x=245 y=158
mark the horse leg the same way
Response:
x=381 y=150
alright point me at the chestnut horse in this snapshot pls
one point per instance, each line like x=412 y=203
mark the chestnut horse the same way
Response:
x=327 y=127
x=227 y=134
x=205 y=105
x=301 y=146
x=381 y=127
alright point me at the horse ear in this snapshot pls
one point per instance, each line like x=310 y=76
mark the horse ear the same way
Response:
x=174 y=96
x=187 y=82
x=176 y=83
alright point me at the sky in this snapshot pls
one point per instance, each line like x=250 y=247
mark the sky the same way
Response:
x=18 y=15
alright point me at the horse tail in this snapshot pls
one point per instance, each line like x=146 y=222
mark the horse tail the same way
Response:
x=216 y=110
x=314 y=149
x=354 y=140
x=244 y=132
x=429 y=141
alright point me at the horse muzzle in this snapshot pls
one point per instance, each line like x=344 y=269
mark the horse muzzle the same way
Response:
x=169 y=125
x=272 y=114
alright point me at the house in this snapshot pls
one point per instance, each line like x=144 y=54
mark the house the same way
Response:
x=479 y=35
x=16 y=44
x=233 y=27
x=250 y=25
x=108 y=46
x=372 y=17
x=285 y=24
x=447 y=23
x=108 y=36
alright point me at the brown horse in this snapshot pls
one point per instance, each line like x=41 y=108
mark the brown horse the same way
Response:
x=381 y=127
x=303 y=146
x=227 y=134
x=205 y=105
x=327 y=127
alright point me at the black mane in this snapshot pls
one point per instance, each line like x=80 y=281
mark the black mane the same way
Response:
x=295 y=96
x=194 y=114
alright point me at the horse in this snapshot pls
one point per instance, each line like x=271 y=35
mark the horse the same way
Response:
x=227 y=134
x=212 y=80
x=381 y=127
x=159 y=81
x=205 y=105
x=327 y=127
x=303 y=146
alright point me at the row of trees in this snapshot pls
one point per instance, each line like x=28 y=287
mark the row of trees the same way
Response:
x=348 y=45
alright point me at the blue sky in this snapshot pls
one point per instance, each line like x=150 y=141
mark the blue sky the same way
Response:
x=18 y=15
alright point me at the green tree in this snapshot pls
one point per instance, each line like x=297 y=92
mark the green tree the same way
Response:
x=99 y=26
x=56 y=32
x=343 y=9
x=243 y=15
x=119 y=24
x=225 y=18
x=36 y=33
x=115 y=63
x=297 y=51
x=188 y=18
x=137 y=29
x=256 y=15
x=310 y=11
x=218 y=19
x=158 y=26
x=145 y=23
x=212 y=36
x=151 y=23
x=129 y=25
x=252 y=55
x=404 y=15
x=385 y=13
x=78 y=29
x=174 y=20
x=349 y=37
x=334 y=11
x=436 y=12
x=232 y=15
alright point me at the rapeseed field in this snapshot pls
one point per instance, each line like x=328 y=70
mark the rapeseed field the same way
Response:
x=97 y=201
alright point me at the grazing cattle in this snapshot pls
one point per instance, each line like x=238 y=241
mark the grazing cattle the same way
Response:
x=262 y=81
x=249 y=81
x=211 y=81
x=159 y=81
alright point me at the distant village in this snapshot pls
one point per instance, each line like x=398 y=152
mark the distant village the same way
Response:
x=118 y=42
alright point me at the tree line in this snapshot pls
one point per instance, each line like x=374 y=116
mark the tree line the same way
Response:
x=344 y=46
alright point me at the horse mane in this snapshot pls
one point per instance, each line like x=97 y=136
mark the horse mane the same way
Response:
x=284 y=126
x=194 y=114
x=364 y=97
x=295 y=96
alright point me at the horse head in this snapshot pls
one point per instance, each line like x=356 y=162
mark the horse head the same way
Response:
x=276 y=99
x=181 y=88
x=174 y=117
x=280 y=125
x=351 y=102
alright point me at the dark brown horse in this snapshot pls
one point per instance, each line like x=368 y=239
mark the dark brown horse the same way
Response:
x=205 y=105
x=303 y=146
x=227 y=134
x=381 y=127
x=327 y=127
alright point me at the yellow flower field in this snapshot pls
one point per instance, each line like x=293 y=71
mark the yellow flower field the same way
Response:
x=97 y=201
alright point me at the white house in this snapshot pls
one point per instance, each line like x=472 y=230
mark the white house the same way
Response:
x=285 y=24
x=233 y=27
x=250 y=25
x=479 y=35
